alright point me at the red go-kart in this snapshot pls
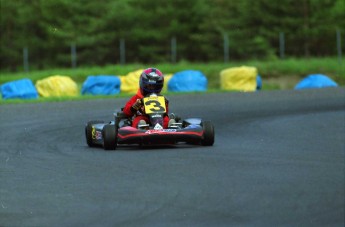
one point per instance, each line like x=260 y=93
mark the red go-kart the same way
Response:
x=120 y=132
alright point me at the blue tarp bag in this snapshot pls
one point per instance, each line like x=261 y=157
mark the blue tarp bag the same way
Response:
x=19 y=89
x=258 y=82
x=101 y=85
x=315 y=81
x=188 y=80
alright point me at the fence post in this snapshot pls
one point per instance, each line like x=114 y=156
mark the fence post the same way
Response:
x=74 y=55
x=26 y=59
x=122 y=52
x=226 y=48
x=173 y=50
x=281 y=45
x=339 y=45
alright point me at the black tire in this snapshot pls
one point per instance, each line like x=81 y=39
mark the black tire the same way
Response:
x=88 y=132
x=109 y=137
x=208 y=139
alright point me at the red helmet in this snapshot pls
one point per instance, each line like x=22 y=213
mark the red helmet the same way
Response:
x=151 y=81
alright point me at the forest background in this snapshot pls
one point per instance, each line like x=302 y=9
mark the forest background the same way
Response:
x=48 y=29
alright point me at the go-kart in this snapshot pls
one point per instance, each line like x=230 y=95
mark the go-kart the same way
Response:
x=120 y=132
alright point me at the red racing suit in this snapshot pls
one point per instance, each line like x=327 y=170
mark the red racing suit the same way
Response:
x=140 y=114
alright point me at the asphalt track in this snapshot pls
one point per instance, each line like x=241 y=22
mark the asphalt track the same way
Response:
x=278 y=160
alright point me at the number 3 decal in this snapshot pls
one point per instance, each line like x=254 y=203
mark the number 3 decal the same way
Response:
x=154 y=106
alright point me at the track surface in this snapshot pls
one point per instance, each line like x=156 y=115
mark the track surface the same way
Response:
x=278 y=160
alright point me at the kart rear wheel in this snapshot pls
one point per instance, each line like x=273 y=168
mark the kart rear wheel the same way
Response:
x=208 y=139
x=88 y=132
x=109 y=137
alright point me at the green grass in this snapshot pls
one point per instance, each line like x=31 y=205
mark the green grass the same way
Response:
x=60 y=99
x=275 y=69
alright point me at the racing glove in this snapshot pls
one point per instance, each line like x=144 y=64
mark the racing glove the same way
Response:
x=137 y=105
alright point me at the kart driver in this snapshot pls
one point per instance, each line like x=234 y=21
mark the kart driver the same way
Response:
x=151 y=81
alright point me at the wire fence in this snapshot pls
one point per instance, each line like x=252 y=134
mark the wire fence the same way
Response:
x=174 y=53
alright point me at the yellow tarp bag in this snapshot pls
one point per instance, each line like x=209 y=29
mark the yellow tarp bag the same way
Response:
x=130 y=82
x=239 y=78
x=57 y=86
x=167 y=77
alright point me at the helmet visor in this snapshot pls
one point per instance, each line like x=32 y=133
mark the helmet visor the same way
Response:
x=152 y=87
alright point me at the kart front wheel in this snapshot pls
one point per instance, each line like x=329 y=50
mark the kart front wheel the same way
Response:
x=88 y=132
x=109 y=137
x=208 y=138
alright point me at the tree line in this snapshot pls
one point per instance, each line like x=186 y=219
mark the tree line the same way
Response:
x=48 y=29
